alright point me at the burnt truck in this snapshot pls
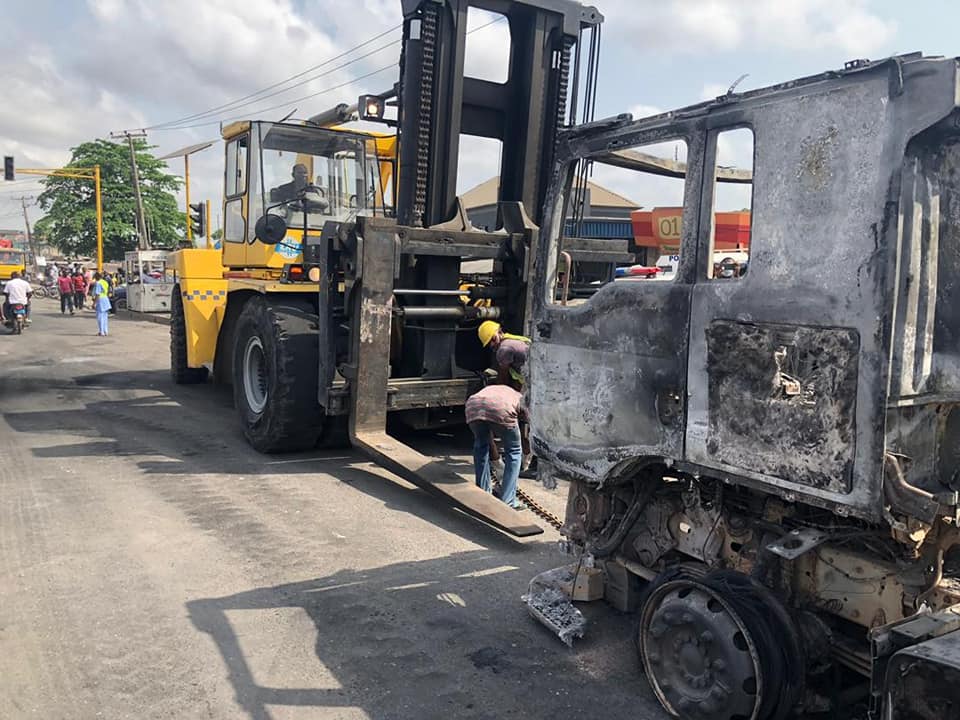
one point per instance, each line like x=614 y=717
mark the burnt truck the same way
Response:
x=764 y=465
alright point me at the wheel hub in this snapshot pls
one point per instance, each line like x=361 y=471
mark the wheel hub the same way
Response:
x=698 y=655
x=255 y=387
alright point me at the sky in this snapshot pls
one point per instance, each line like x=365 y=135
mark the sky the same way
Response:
x=79 y=70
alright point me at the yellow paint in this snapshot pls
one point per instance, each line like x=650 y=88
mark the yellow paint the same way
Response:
x=234 y=129
x=9 y=263
x=203 y=292
x=206 y=288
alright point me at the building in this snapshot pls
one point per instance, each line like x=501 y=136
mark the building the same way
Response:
x=18 y=238
x=606 y=214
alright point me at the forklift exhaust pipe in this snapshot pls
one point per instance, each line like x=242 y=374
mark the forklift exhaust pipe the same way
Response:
x=336 y=115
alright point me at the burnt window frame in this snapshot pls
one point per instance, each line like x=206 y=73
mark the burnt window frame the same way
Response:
x=707 y=219
x=693 y=133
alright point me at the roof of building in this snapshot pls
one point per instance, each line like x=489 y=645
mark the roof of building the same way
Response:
x=485 y=194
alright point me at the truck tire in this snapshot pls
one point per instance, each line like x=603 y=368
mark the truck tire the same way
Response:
x=179 y=371
x=275 y=375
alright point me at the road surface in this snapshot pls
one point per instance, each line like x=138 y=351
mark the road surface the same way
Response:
x=153 y=566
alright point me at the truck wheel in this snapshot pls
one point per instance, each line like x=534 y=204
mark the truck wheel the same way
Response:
x=275 y=375
x=179 y=371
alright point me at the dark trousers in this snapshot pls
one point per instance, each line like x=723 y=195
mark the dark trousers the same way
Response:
x=78 y=300
x=66 y=302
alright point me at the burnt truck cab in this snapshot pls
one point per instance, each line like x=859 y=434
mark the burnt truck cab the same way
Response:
x=775 y=449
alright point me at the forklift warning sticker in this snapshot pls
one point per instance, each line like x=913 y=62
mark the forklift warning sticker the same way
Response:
x=289 y=247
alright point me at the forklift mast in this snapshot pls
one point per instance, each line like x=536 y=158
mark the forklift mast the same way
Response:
x=438 y=103
x=412 y=339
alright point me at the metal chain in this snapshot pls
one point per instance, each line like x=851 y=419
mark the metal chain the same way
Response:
x=428 y=38
x=539 y=510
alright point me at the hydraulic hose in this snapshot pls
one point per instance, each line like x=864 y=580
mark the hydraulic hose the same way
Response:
x=641 y=496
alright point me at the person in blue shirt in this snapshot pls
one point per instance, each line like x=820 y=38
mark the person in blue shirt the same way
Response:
x=101 y=302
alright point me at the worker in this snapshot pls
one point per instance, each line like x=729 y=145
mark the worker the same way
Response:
x=509 y=352
x=291 y=190
x=496 y=411
x=510 y=359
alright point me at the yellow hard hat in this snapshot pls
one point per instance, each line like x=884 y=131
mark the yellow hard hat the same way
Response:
x=487 y=330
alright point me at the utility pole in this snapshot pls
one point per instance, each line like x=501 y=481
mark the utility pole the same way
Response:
x=26 y=221
x=142 y=232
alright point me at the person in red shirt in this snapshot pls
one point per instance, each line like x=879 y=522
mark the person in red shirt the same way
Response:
x=79 y=289
x=65 y=286
x=497 y=410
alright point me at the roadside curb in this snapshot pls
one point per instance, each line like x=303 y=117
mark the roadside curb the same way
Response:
x=158 y=318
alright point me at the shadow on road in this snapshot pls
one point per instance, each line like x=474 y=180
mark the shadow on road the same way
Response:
x=192 y=431
x=428 y=639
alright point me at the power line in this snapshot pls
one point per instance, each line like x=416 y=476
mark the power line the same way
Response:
x=173 y=125
x=276 y=84
x=288 y=103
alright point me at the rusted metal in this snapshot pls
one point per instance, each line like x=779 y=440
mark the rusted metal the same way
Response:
x=799 y=423
x=538 y=510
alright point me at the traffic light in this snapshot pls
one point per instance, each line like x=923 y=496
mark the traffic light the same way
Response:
x=198 y=219
x=8 y=167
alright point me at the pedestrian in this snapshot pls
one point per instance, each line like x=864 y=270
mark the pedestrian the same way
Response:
x=101 y=302
x=495 y=411
x=79 y=289
x=65 y=286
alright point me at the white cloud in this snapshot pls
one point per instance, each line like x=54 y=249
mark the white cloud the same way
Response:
x=697 y=26
x=113 y=64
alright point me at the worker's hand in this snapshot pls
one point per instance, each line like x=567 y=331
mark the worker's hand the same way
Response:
x=525 y=462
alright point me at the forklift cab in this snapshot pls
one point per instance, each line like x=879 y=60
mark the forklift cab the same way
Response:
x=305 y=175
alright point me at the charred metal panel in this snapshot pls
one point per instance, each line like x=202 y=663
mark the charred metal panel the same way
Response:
x=818 y=258
x=923 y=681
x=829 y=152
x=612 y=393
x=782 y=398
x=926 y=358
x=607 y=378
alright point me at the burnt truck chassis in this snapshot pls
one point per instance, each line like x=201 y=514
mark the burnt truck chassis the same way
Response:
x=766 y=469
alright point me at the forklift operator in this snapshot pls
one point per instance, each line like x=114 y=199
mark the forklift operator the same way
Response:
x=291 y=190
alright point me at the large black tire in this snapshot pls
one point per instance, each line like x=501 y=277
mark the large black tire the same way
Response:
x=181 y=374
x=276 y=360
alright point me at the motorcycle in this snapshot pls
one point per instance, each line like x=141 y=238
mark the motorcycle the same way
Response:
x=19 y=313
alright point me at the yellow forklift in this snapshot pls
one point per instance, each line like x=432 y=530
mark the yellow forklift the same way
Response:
x=350 y=282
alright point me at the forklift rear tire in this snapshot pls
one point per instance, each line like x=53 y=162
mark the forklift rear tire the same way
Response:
x=275 y=375
x=179 y=371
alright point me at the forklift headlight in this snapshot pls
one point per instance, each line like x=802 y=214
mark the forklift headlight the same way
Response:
x=372 y=108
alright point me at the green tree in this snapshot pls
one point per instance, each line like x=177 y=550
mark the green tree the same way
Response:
x=70 y=222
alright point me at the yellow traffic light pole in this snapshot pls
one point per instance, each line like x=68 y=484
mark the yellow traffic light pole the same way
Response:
x=79 y=173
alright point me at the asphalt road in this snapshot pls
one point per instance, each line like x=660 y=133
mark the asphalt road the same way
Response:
x=153 y=566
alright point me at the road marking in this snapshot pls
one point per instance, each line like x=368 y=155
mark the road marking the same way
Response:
x=68 y=361
x=490 y=571
x=310 y=459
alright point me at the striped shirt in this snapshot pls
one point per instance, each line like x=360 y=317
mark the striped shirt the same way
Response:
x=497 y=404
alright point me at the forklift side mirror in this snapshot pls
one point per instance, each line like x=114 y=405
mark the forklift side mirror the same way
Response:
x=270 y=229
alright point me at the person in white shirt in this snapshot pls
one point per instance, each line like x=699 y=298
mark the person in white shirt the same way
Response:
x=18 y=292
